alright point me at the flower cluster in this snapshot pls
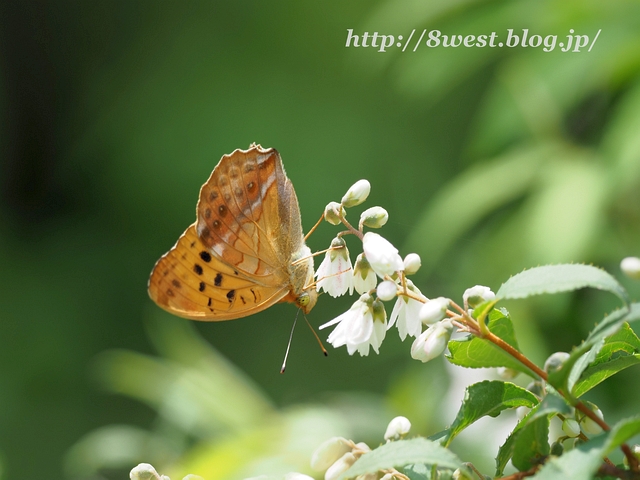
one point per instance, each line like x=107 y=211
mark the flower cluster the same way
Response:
x=336 y=455
x=380 y=275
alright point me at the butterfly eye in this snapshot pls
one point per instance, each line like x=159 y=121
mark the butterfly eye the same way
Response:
x=303 y=299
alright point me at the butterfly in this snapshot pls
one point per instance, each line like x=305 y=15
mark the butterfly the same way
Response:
x=245 y=251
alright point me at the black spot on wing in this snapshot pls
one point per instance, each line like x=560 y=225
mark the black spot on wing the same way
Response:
x=231 y=294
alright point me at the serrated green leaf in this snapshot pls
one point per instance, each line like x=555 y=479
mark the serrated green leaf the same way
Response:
x=560 y=278
x=479 y=353
x=488 y=398
x=612 y=322
x=560 y=379
x=531 y=444
x=403 y=452
x=583 y=462
x=550 y=405
x=620 y=351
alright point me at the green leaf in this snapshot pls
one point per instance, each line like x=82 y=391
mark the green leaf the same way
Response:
x=531 y=444
x=488 y=398
x=550 y=405
x=612 y=322
x=562 y=379
x=560 y=278
x=475 y=352
x=404 y=452
x=583 y=462
x=620 y=351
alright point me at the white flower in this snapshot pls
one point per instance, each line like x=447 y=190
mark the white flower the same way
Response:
x=412 y=263
x=374 y=217
x=630 y=266
x=434 y=310
x=379 y=327
x=340 y=466
x=335 y=274
x=406 y=312
x=382 y=256
x=357 y=194
x=432 y=342
x=357 y=329
x=329 y=452
x=397 y=428
x=387 y=290
x=474 y=296
x=364 y=278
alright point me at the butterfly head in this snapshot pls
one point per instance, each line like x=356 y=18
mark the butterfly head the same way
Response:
x=307 y=300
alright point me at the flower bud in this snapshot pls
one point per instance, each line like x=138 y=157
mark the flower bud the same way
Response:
x=357 y=194
x=522 y=411
x=364 y=278
x=374 y=217
x=555 y=361
x=397 y=428
x=434 y=310
x=382 y=256
x=474 y=296
x=630 y=266
x=329 y=452
x=432 y=342
x=332 y=213
x=557 y=449
x=536 y=388
x=387 y=290
x=570 y=427
x=144 y=471
x=340 y=466
x=361 y=448
x=412 y=263
x=589 y=426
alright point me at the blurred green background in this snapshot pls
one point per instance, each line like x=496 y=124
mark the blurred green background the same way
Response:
x=114 y=113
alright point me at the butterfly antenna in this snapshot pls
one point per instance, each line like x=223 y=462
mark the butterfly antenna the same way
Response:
x=315 y=334
x=286 y=354
x=314 y=227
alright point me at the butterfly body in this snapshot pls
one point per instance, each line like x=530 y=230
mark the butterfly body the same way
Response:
x=246 y=250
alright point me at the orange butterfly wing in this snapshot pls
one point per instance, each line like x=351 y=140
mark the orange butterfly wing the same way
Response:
x=237 y=259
